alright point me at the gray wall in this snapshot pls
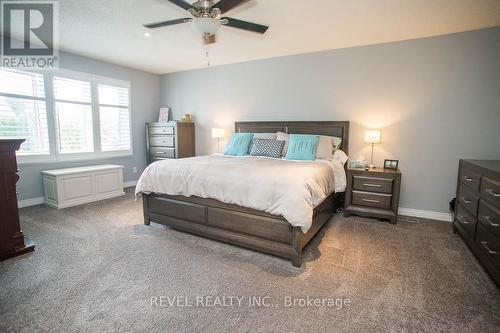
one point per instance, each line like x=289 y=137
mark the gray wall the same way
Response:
x=145 y=98
x=436 y=99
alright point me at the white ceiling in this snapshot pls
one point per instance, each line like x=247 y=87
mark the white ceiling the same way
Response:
x=112 y=30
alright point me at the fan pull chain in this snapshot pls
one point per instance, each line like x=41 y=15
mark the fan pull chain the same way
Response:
x=208 y=58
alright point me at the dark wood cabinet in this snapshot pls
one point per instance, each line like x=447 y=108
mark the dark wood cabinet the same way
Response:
x=373 y=193
x=169 y=140
x=477 y=211
x=12 y=240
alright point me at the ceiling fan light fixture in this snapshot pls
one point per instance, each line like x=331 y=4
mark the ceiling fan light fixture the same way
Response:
x=208 y=39
x=205 y=26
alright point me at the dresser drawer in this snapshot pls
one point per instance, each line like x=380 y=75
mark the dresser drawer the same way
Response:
x=156 y=159
x=468 y=199
x=488 y=244
x=466 y=221
x=161 y=141
x=159 y=130
x=372 y=184
x=162 y=152
x=490 y=190
x=470 y=178
x=490 y=217
x=369 y=199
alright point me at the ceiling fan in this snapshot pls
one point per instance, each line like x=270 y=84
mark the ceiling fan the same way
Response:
x=207 y=18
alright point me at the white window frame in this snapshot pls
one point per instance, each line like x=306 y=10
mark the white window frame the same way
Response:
x=54 y=156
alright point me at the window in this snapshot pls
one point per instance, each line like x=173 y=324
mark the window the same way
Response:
x=23 y=111
x=114 y=118
x=65 y=116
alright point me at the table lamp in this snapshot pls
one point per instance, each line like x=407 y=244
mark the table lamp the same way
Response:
x=373 y=137
x=218 y=133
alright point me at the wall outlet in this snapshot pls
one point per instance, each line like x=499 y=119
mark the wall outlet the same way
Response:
x=134 y=169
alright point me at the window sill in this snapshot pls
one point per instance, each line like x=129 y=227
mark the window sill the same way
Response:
x=47 y=159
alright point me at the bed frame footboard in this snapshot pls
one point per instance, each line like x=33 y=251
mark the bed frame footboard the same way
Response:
x=253 y=229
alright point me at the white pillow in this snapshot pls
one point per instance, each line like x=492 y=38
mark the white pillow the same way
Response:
x=270 y=136
x=326 y=146
x=336 y=142
x=283 y=137
x=340 y=156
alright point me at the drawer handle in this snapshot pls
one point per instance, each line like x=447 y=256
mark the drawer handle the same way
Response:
x=466 y=200
x=485 y=245
x=372 y=185
x=462 y=219
x=469 y=179
x=487 y=219
x=490 y=191
x=371 y=200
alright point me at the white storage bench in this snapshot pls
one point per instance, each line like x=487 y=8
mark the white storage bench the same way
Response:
x=75 y=186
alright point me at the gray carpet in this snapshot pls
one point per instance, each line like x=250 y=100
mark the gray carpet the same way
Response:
x=96 y=268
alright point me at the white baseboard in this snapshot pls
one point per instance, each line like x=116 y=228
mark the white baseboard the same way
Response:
x=30 y=202
x=130 y=183
x=426 y=214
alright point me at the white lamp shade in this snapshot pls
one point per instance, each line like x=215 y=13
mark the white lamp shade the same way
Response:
x=217 y=133
x=373 y=136
x=205 y=25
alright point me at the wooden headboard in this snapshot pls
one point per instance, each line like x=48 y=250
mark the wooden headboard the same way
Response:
x=331 y=128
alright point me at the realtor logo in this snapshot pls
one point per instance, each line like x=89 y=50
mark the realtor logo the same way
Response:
x=30 y=36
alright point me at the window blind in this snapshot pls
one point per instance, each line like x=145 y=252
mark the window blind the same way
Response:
x=23 y=112
x=73 y=106
x=114 y=117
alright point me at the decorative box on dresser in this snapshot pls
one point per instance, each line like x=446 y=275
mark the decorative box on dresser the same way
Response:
x=373 y=193
x=477 y=213
x=12 y=240
x=169 y=140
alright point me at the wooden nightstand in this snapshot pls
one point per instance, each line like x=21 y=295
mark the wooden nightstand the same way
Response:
x=373 y=193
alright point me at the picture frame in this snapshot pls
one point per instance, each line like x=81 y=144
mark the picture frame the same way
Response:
x=391 y=164
x=164 y=115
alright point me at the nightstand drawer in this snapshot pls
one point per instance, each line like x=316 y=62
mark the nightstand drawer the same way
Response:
x=369 y=199
x=372 y=184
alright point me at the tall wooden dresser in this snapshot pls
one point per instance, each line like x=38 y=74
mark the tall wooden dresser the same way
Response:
x=477 y=213
x=12 y=241
x=169 y=140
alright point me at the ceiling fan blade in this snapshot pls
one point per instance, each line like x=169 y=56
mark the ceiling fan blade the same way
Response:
x=166 y=23
x=239 y=24
x=227 y=5
x=181 y=3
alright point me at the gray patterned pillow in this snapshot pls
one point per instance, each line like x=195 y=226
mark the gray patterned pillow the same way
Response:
x=267 y=147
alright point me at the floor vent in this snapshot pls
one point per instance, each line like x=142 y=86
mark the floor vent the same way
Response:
x=408 y=219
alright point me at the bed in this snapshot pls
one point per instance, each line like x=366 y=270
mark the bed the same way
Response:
x=227 y=220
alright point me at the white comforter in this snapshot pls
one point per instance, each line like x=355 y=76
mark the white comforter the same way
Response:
x=287 y=188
